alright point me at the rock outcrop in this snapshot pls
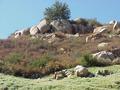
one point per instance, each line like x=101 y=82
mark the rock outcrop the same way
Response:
x=21 y=32
x=43 y=26
x=34 y=30
x=62 y=25
x=104 y=55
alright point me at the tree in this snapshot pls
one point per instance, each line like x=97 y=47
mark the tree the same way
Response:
x=57 y=11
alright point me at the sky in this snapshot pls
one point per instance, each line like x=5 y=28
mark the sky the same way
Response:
x=20 y=14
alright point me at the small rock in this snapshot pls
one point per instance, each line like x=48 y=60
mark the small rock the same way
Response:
x=102 y=45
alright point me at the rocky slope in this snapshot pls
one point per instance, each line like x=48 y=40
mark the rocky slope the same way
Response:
x=48 y=47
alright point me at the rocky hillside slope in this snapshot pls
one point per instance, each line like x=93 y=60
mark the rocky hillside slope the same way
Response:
x=48 y=47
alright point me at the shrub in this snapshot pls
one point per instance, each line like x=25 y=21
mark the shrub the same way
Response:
x=57 y=11
x=94 y=22
x=91 y=22
x=82 y=21
x=14 y=58
x=88 y=60
x=41 y=62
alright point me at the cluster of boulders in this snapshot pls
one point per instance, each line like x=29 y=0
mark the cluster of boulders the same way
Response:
x=69 y=28
x=98 y=32
x=80 y=71
x=64 y=26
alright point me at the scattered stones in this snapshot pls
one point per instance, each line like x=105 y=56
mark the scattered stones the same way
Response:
x=94 y=36
x=59 y=75
x=78 y=71
x=60 y=35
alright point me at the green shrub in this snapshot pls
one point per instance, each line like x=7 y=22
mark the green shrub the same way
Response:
x=88 y=60
x=14 y=58
x=94 y=22
x=41 y=62
x=82 y=21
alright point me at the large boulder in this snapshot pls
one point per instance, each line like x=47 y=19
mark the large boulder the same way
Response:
x=116 y=52
x=81 y=29
x=101 y=29
x=44 y=26
x=34 y=30
x=75 y=28
x=62 y=25
x=116 y=60
x=81 y=71
x=18 y=33
x=88 y=29
x=116 y=24
x=104 y=55
x=21 y=32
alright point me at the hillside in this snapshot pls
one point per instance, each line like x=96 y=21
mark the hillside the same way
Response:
x=73 y=55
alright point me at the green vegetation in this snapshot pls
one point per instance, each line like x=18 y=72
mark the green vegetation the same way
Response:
x=57 y=11
x=87 y=60
x=42 y=61
x=92 y=22
x=29 y=57
x=14 y=58
x=110 y=82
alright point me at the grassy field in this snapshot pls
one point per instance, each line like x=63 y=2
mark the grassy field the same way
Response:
x=110 y=82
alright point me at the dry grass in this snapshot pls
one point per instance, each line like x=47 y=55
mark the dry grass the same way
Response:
x=33 y=49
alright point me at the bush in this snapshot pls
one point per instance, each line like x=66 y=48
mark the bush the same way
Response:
x=41 y=62
x=14 y=58
x=94 y=22
x=91 y=22
x=88 y=60
x=57 y=11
